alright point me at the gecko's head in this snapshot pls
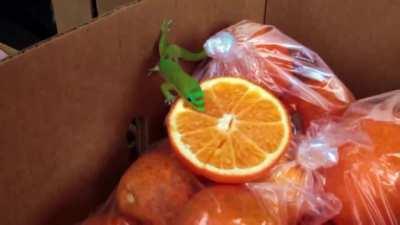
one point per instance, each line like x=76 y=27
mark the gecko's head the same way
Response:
x=195 y=97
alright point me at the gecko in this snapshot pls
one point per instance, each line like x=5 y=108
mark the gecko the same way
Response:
x=176 y=79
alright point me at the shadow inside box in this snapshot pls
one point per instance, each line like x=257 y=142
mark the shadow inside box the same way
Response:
x=24 y=23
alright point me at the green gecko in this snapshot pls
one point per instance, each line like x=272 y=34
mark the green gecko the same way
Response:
x=176 y=79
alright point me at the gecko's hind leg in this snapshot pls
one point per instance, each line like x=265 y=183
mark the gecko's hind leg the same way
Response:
x=166 y=89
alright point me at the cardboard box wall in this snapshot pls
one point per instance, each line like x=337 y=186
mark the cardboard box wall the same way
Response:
x=65 y=104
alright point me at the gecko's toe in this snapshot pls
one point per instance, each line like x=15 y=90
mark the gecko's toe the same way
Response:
x=169 y=101
x=166 y=24
x=169 y=22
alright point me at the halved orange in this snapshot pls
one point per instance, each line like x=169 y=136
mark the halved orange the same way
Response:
x=242 y=132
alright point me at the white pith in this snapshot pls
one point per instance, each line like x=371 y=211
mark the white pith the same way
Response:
x=224 y=123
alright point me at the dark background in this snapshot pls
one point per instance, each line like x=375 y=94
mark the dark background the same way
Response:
x=23 y=22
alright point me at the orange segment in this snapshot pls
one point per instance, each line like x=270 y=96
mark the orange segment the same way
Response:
x=228 y=94
x=261 y=111
x=212 y=107
x=196 y=140
x=246 y=152
x=187 y=124
x=257 y=131
x=246 y=101
x=242 y=132
x=221 y=155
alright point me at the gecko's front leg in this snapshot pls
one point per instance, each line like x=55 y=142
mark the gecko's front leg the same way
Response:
x=166 y=26
x=166 y=89
x=163 y=42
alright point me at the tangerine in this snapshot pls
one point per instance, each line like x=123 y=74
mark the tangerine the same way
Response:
x=226 y=205
x=105 y=219
x=367 y=182
x=155 y=187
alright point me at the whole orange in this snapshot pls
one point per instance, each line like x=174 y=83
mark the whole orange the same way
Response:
x=329 y=95
x=226 y=205
x=309 y=112
x=367 y=180
x=155 y=187
x=291 y=179
x=105 y=219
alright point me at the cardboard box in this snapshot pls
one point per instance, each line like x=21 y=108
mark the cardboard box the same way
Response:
x=65 y=104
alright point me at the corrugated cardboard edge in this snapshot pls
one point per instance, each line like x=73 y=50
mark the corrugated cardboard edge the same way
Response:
x=104 y=6
x=69 y=30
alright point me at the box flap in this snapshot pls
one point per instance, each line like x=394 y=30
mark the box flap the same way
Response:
x=71 y=13
x=103 y=6
x=65 y=105
x=8 y=50
x=358 y=39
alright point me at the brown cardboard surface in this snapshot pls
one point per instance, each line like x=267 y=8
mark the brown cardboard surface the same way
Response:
x=104 y=6
x=358 y=39
x=65 y=105
x=71 y=13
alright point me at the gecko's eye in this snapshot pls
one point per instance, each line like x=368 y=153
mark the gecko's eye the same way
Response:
x=189 y=99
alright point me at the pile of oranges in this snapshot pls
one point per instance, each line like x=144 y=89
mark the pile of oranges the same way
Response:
x=195 y=177
x=198 y=176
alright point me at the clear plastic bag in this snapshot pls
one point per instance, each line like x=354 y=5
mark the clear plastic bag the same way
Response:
x=367 y=176
x=108 y=219
x=299 y=193
x=293 y=193
x=290 y=195
x=346 y=168
x=264 y=55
